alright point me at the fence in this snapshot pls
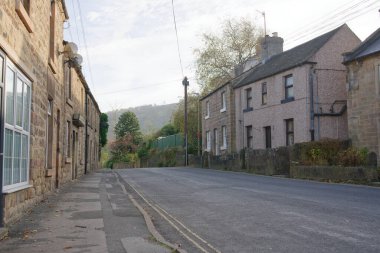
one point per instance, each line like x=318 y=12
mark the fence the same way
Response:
x=170 y=141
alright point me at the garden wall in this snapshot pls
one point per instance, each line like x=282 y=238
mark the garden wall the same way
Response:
x=334 y=173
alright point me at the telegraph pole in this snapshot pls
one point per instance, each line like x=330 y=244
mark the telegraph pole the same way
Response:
x=185 y=83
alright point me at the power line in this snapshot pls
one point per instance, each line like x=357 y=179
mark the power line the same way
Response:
x=143 y=87
x=327 y=17
x=349 y=15
x=75 y=20
x=176 y=34
x=85 y=45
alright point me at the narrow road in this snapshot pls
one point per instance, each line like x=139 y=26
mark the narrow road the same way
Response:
x=238 y=212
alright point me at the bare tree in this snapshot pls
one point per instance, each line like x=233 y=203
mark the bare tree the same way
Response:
x=220 y=53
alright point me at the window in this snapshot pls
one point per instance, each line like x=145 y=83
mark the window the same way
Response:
x=216 y=142
x=82 y=99
x=26 y=4
x=207 y=110
x=268 y=137
x=248 y=98
x=223 y=102
x=23 y=11
x=224 y=136
x=68 y=131
x=1 y=69
x=52 y=30
x=249 y=136
x=264 y=93
x=208 y=141
x=68 y=80
x=289 y=132
x=49 y=135
x=378 y=78
x=289 y=87
x=17 y=132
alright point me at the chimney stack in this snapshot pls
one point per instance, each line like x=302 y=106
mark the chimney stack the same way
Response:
x=271 y=46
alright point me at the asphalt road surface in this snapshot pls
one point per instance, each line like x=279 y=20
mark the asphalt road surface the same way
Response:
x=239 y=212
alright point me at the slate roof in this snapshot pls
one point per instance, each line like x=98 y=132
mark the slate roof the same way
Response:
x=368 y=47
x=287 y=60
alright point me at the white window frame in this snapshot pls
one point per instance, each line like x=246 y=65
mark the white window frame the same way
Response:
x=224 y=102
x=207 y=110
x=216 y=141
x=224 y=138
x=208 y=141
x=15 y=128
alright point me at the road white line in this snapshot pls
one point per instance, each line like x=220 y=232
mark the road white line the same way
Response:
x=191 y=232
x=152 y=229
x=162 y=214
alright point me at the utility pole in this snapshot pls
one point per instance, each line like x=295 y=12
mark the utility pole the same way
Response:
x=185 y=83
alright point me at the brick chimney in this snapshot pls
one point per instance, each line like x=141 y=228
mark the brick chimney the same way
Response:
x=271 y=46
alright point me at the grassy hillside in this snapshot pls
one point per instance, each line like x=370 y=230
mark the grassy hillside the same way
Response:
x=151 y=117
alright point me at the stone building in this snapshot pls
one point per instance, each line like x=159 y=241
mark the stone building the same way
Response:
x=40 y=124
x=218 y=120
x=294 y=96
x=363 y=77
x=218 y=116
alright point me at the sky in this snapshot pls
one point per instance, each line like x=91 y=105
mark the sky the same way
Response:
x=130 y=50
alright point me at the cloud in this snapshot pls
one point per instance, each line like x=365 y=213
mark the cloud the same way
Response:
x=132 y=44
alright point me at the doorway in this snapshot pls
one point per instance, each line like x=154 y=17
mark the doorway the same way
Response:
x=58 y=151
x=74 y=158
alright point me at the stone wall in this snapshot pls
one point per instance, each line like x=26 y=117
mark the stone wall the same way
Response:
x=364 y=103
x=28 y=48
x=334 y=173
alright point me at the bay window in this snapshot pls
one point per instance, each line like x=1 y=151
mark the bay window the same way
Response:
x=17 y=129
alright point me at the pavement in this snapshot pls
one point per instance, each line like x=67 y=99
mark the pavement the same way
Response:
x=93 y=214
x=217 y=211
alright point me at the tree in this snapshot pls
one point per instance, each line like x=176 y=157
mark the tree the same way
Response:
x=128 y=124
x=167 y=130
x=217 y=58
x=192 y=114
x=122 y=147
x=103 y=129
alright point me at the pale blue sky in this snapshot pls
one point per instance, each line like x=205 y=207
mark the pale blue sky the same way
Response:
x=132 y=44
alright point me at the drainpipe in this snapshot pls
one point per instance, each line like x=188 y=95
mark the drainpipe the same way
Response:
x=85 y=133
x=311 y=90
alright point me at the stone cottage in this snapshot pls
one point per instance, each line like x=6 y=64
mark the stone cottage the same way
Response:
x=294 y=96
x=363 y=83
x=41 y=125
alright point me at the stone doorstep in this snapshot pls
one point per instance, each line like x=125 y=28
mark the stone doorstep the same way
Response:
x=3 y=233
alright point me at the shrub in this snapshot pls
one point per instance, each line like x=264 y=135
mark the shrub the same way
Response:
x=353 y=157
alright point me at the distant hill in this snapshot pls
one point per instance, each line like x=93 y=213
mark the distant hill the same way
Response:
x=151 y=117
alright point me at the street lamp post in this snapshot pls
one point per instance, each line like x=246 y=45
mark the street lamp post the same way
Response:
x=185 y=83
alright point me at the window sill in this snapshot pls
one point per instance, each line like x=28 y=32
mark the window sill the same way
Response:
x=223 y=110
x=68 y=160
x=207 y=117
x=223 y=147
x=287 y=100
x=69 y=102
x=24 y=16
x=16 y=189
x=52 y=65
x=250 y=109
x=48 y=172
